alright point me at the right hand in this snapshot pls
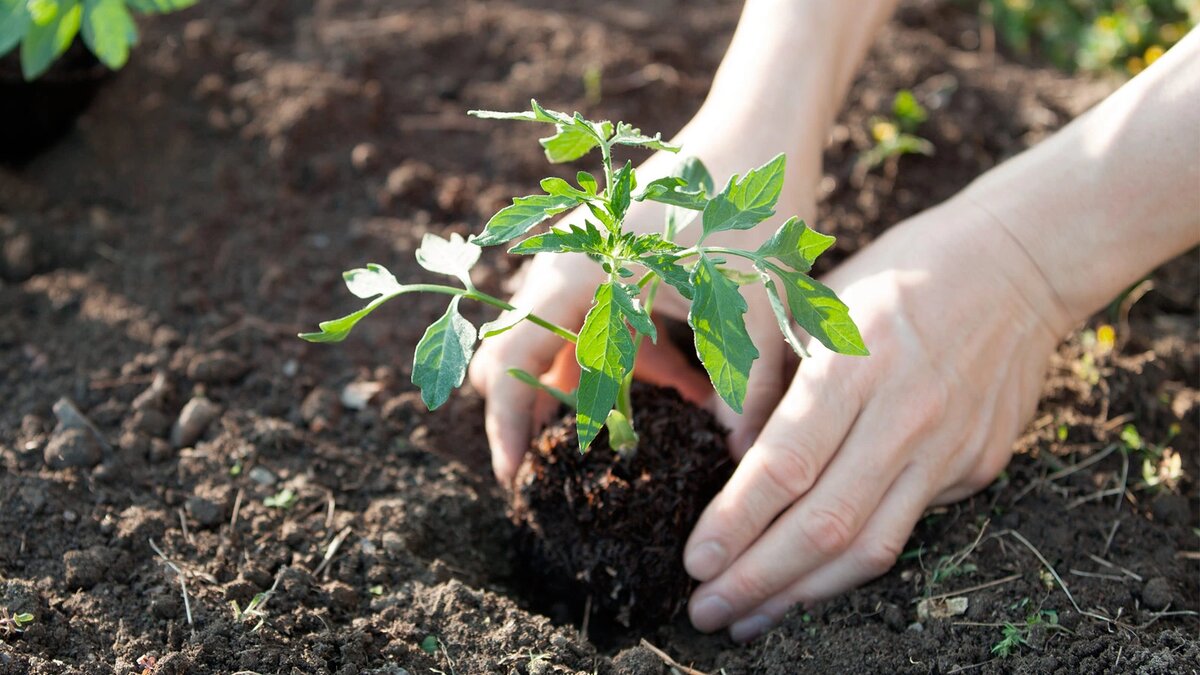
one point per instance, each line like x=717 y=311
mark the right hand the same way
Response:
x=559 y=288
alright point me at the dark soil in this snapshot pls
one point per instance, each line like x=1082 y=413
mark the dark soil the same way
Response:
x=609 y=532
x=158 y=262
x=35 y=114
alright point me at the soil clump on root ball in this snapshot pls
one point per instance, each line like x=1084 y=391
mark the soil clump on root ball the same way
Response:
x=613 y=529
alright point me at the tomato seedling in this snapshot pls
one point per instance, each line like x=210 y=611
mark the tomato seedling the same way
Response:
x=46 y=28
x=634 y=266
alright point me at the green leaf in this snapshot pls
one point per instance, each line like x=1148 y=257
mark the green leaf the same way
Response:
x=569 y=143
x=795 y=245
x=626 y=298
x=586 y=239
x=620 y=192
x=819 y=312
x=159 y=6
x=536 y=113
x=14 y=23
x=674 y=191
x=587 y=181
x=561 y=188
x=717 y=318
x=109 y=31
x=372 y=281
x=746 y=202
x=908 y=111
x=503 y=323
x=667 y=267
x=452 y=257
x=628 y=135
x=781 y=314
x=697 y=179
x=440 y=362
x=605 y=354
x=42 y=11
x=738 y=276
x=46 y=42
x=524 y=214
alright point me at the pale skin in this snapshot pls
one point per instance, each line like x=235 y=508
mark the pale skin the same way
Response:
x=961 y=307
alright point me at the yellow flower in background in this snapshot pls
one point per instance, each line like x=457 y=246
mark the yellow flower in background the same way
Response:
x=1106 y=339
x=884 y=131
x=1153 y=52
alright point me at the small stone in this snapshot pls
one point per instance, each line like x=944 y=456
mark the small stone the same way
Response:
x=72 y=448
x=160 y=451
x=204 y=511
x=364 y=157
x=262 y=476
x=70 y=417
x=70 y=516
x=1158 y=593
x=893 y=617
x=409 y=179
x=357 y=395
x=150 y=421
x=33 y=497
x=320 y=408
x=193 y=420
x=216 y=367
x=941 y=608
x=393 y=544
x=916 y=627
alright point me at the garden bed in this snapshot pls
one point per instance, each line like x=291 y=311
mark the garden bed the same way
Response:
x=199 y=216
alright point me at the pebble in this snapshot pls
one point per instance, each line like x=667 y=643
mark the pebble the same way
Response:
x=1157 y=593
x=216 y=367
x=85 y=568
x=364 y=157
x=357 y=395
x=69 y=417
x=262 y=476
x=72 y=448
x=18 y=257
x=204 y=511
x=393 y=543
x=193 y=420
x=70 y=516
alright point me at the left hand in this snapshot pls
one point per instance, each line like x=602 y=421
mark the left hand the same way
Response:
x=961 y=326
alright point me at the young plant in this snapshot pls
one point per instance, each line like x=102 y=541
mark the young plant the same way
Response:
x=254 y=610
x=896 y=136
x=46 y=28
x=634 y=266
x=1014 y=635
x=11 y=623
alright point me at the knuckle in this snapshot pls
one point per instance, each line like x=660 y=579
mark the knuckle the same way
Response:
x=830 y=529
x=879 y=556
x=789 y=469
x=749 y=584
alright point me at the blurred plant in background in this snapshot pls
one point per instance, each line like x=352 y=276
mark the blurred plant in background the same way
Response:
x=1093 y=35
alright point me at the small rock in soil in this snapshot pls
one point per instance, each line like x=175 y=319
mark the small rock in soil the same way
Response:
x=193 y=420
x=364 y=157
x=411 y=178
x=357 y=395
x=320 y=409
x=342 y=595
x=205 y=511
x=85 y=568
x=70 y=417
x=216 y=367
x=262 y=476
x=893 y=616
x=72 y=448
x=1158 y=593
x=150 y=421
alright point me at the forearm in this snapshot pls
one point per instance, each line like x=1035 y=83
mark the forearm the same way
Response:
x=1114 y=194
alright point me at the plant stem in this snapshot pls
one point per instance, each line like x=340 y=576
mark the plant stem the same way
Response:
x=480 y=296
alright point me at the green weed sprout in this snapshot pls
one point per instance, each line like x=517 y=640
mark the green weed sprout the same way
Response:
x=46 y=28
x=634 y=265
x=896 y=136
x=11 y=624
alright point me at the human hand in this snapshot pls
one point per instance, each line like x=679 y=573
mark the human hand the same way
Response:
x=961 y=326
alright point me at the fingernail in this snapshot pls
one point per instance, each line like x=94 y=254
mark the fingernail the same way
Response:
x=749 y=629
x=710 y=613
x=705 y=560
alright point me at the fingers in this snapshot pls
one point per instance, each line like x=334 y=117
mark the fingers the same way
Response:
x=664 y=365
x=872 y=554
x=763 y=388
x=824 y=523
x=807 y=428
x=509 y=411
